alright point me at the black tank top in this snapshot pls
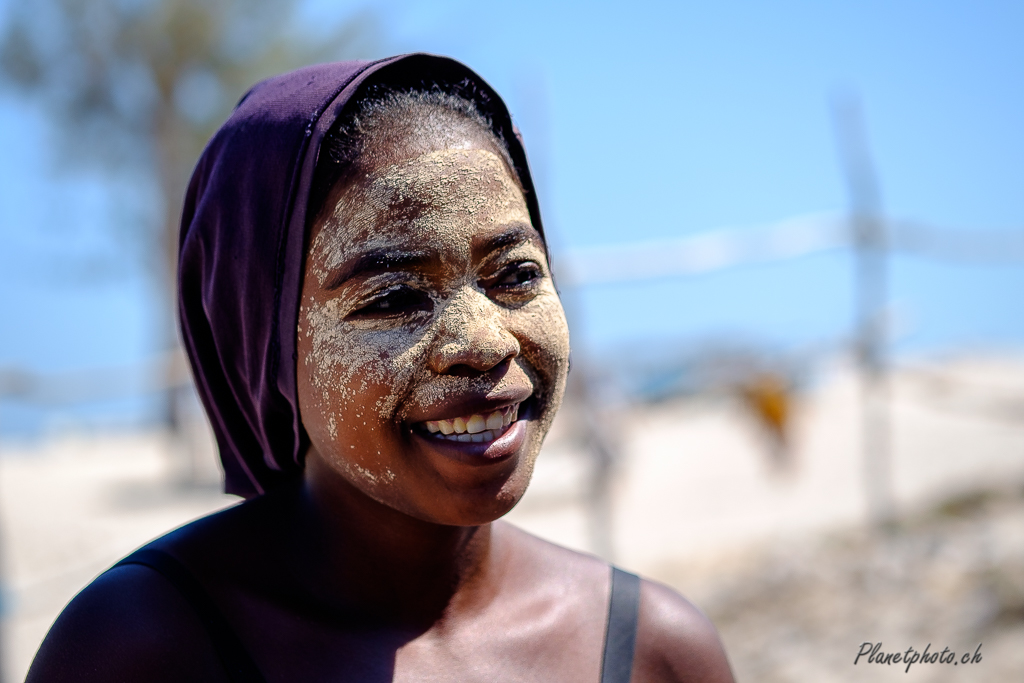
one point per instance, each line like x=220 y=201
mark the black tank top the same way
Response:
x=616 y=661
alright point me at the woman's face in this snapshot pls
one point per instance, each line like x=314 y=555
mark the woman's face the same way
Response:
x=432 y=346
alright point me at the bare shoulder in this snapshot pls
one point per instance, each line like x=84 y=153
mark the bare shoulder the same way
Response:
x=543 y=562
x=676 y=642
x=130 y=624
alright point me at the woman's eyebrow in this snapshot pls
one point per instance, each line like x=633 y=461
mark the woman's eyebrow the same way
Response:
x=512 y=235
x=376 y=262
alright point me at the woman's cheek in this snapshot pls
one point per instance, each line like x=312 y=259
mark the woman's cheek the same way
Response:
x=398 y=355
x=359 y=396
x=544 y=336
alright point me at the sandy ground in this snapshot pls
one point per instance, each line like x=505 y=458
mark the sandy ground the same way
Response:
x=781 y=561
x=70 y=508
x=952 y=577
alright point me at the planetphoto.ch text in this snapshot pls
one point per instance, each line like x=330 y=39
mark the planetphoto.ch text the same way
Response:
x=872 y=653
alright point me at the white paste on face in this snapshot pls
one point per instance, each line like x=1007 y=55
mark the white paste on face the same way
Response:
x=438 y=200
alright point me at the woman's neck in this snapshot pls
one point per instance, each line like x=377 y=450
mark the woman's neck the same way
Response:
x=357 y=554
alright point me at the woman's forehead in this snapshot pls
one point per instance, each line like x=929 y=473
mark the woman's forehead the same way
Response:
x=443 y=181
x=441 y=200
x=439 y=167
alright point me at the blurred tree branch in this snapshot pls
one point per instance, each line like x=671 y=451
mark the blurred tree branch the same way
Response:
x=137 y=87
x=142 y=84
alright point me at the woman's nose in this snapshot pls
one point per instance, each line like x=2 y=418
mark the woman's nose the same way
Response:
x=472 y=336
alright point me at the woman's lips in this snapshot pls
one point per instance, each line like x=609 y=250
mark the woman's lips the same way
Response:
x=475 y=428
x=487 y=445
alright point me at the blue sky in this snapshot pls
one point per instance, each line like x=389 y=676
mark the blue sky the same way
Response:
x=644 y=121
x=657 y=120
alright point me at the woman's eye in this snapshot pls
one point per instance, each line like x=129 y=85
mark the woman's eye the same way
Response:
x=518 y=275
x=396 y=301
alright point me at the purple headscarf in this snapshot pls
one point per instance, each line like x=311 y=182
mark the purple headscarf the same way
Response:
x=242 y=244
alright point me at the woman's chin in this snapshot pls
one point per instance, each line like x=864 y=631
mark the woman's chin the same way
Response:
x=479 y=488
x=480 y=512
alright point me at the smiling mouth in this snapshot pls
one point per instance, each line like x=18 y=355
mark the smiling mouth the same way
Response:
x=475 y=428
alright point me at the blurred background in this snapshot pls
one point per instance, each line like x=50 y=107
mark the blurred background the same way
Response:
x=789 y=237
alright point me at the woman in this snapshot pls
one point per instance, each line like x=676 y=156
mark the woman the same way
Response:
x=366 y=301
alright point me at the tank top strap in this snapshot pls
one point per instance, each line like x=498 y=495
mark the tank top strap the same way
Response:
x=237 y=662
x=620 y=636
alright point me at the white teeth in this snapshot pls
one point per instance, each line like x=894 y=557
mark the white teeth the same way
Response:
x=480 y=437
x=476 y=424
x=475 y=428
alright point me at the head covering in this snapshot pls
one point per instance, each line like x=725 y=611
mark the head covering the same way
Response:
x=242 y=244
